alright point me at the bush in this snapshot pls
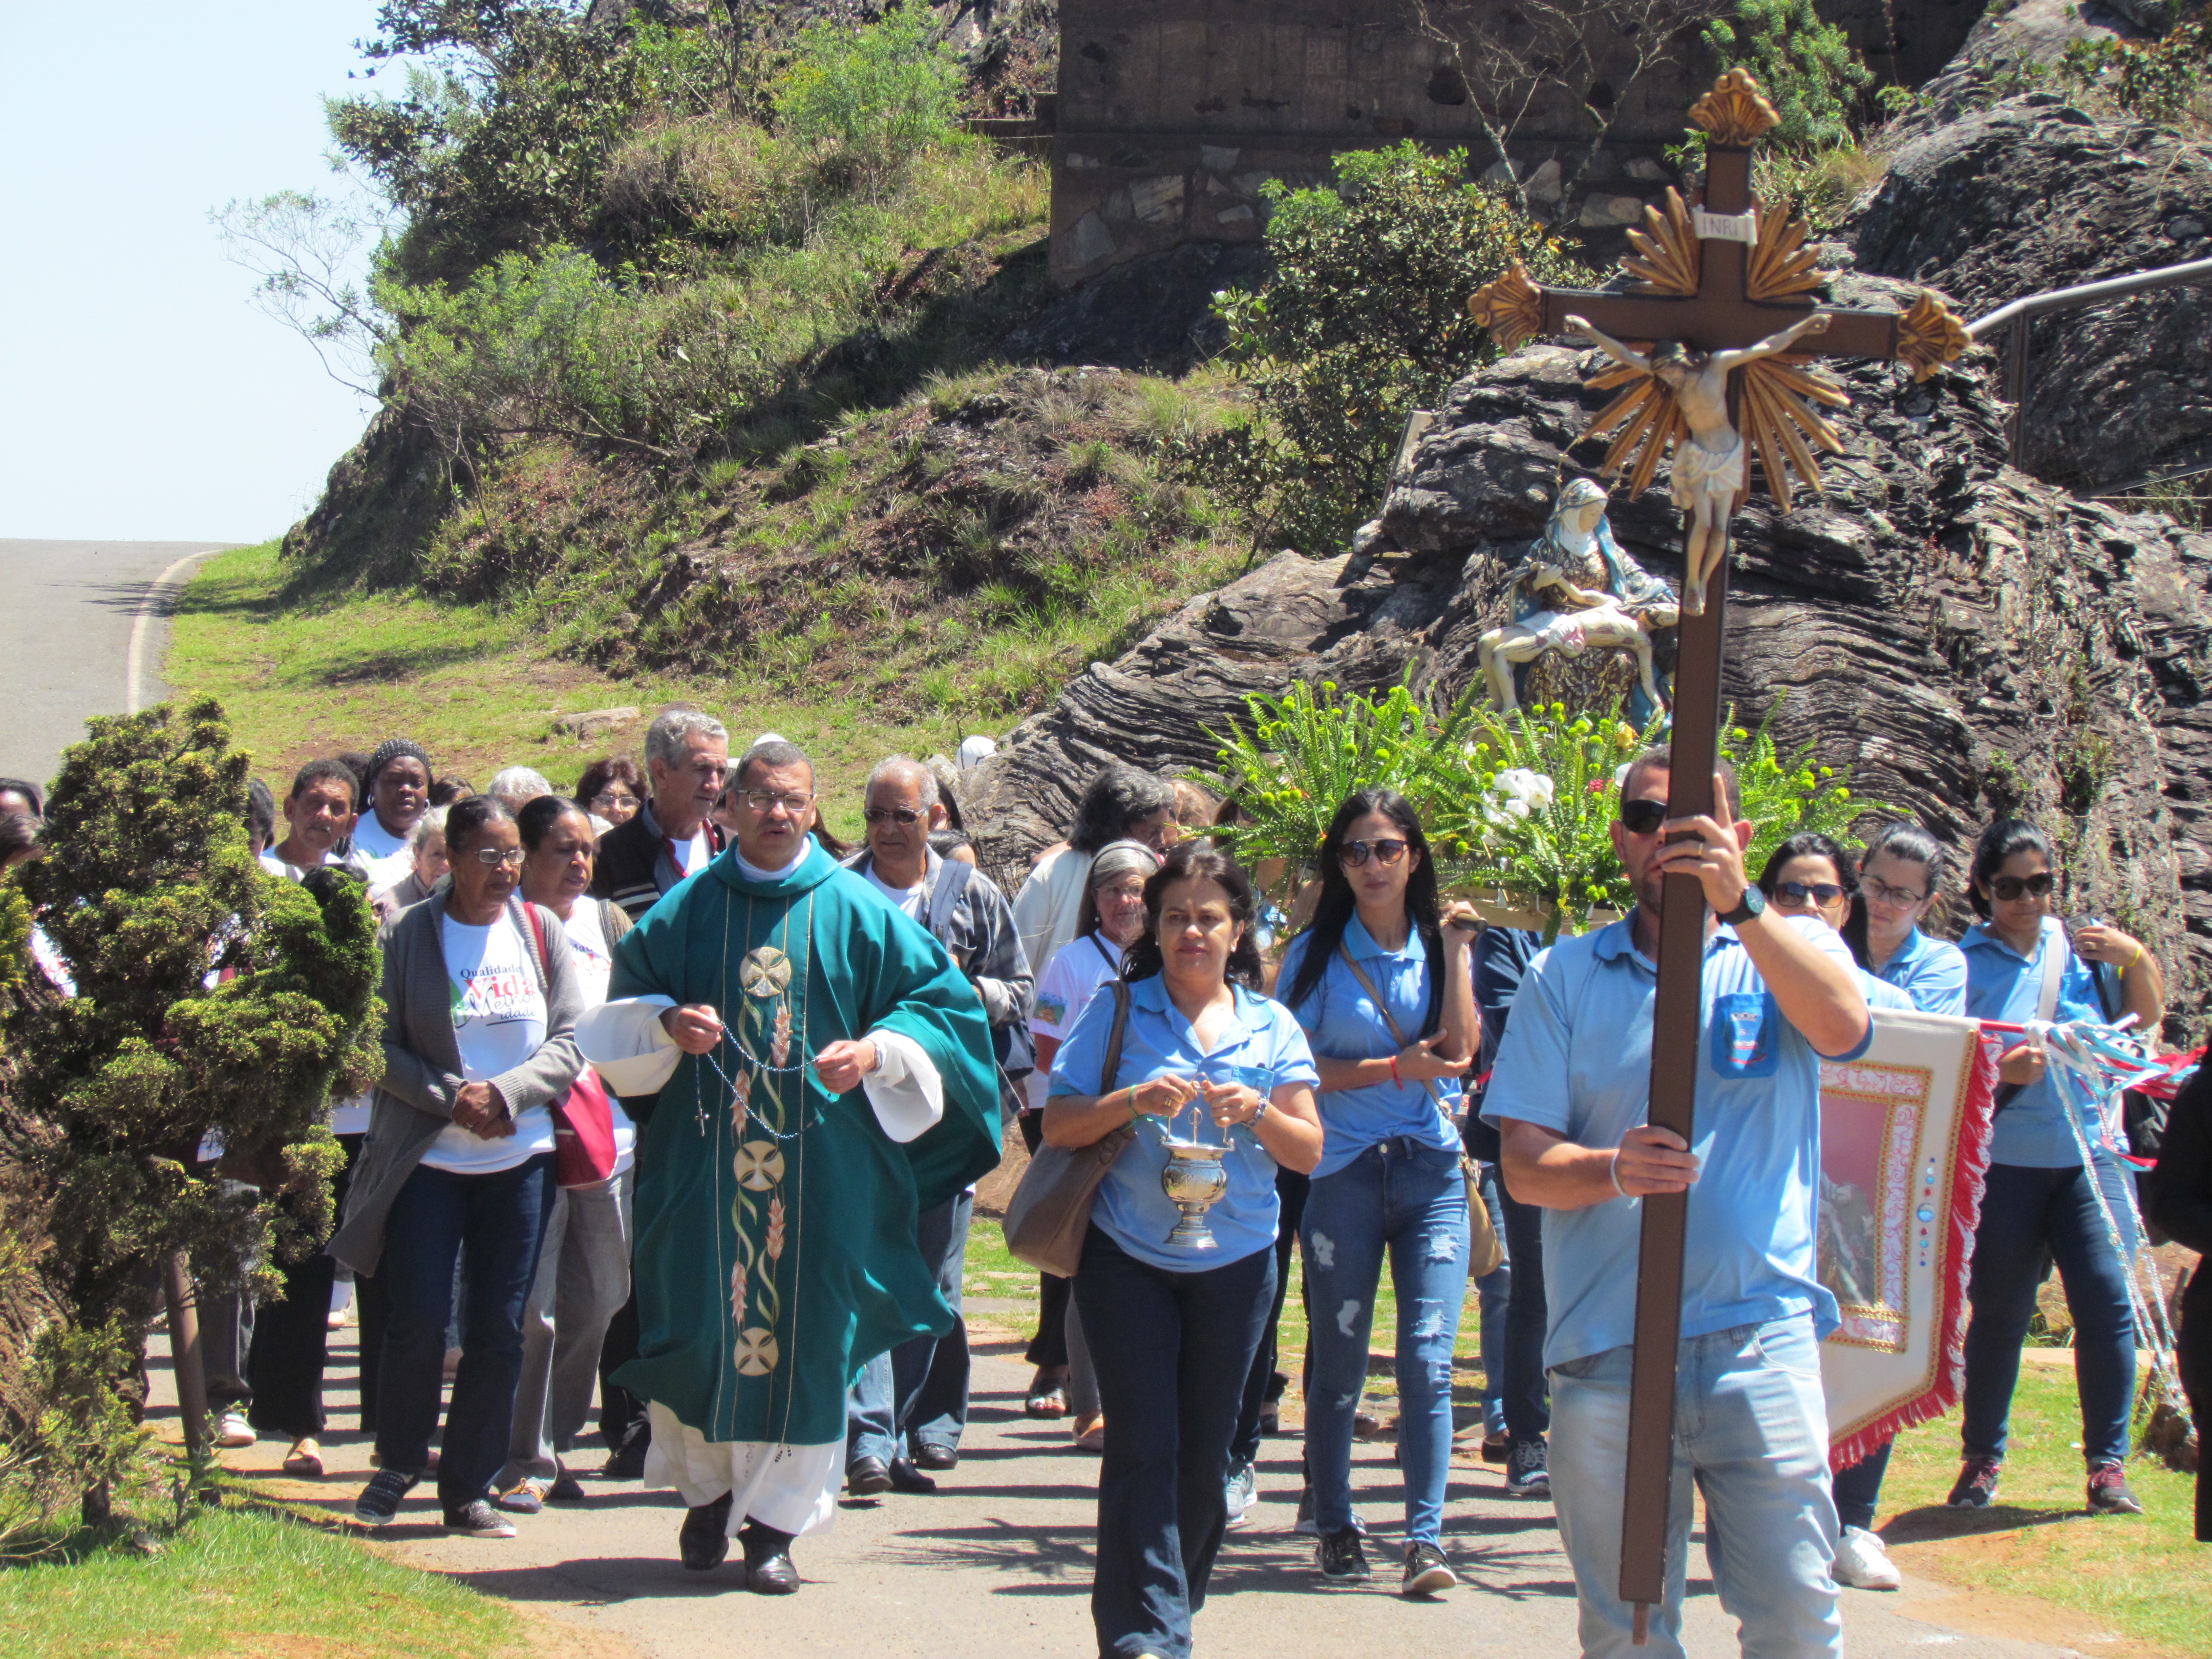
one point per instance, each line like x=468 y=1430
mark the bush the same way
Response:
x=880 y=92
x=2165 y=81
x=1363 y=320
x=1806 y=67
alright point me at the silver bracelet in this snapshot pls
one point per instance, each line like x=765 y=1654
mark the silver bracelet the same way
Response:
x=1613 y=1170
x=1254 y=1125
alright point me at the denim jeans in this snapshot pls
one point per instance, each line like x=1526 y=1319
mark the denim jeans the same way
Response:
x=917 y=1394
x=1290 y=1189
x=501 y=1221
x=1858 y=1488
x=583 y=1280
x=2024 y=1212
x=1751 y=1427
x=1494 y=1297
x=1173 y=1352
x=1521 y=1389
x=1411 y=1200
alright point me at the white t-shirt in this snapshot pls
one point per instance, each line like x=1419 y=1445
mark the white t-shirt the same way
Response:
x=592 y=958
x=690 y=856
x=1077 y=970
x=499 y=1021
x=383 y=857
x=908 y=899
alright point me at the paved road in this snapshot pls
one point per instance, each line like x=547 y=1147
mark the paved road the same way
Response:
x=998 y=1564
x=65 y=636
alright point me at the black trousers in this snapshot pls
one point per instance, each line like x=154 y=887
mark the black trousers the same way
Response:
x=291 y=1336
x=2195 y=1365
x=1047 y=1349
x=1291 y=1190
x=1521 y=1387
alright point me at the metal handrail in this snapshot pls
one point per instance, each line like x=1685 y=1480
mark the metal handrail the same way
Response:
x=2018 y=314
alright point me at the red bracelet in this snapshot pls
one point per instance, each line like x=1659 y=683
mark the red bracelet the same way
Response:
x=1395 y=1078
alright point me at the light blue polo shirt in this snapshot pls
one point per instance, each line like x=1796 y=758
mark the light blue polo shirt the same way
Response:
x=1263 y=1047
x=1931 y=971
x=1340 y=1021
x=2002 y=984
x=1577 y=1060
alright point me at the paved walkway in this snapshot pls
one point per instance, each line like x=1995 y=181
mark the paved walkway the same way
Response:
x=997 y=1565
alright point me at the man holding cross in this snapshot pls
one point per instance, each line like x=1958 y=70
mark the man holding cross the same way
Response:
x=1569 y=1094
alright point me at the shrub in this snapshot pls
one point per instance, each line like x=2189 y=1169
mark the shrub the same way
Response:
x=879 y=91
x=2163 y=80
x=1362 y=320
x=1806 y=67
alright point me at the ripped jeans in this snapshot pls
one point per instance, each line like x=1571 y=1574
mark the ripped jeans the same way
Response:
x=1411 y=1199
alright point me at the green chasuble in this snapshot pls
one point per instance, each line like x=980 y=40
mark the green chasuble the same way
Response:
x=775 y=1250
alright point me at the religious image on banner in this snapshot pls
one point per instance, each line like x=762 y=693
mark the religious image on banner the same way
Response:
x=1904 y=1136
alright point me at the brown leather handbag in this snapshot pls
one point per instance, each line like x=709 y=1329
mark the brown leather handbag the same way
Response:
x=1050 y=1210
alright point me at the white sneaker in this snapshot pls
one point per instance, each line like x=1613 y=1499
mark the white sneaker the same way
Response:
x=1242 y=1494
x=1861 y=1563
x=234 y=1432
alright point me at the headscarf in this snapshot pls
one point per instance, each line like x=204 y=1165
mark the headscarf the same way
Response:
x=1117 y=858
x=390 y=750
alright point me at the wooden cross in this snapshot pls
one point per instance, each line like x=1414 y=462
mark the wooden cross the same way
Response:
x=1718 y=276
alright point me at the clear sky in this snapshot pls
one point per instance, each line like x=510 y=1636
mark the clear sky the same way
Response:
x=141 y=396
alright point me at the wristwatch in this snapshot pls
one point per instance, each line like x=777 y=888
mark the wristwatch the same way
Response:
x=1752 y=904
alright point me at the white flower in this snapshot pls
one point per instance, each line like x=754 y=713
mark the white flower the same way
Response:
x=1530 y=788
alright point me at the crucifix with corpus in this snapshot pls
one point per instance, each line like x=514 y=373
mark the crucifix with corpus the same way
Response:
x=1722 y=325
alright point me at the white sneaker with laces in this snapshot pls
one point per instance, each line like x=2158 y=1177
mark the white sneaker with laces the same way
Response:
x=234 y=1432
x=1861 y=1563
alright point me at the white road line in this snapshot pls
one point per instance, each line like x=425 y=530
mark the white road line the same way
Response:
x=147 y=601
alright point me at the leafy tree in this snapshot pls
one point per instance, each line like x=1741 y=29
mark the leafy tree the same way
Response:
x=1806 y=68
x=209 y=995
x=1362 y=320
x=878 y=91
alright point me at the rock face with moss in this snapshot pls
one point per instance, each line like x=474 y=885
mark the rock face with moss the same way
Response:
x=1963 y=639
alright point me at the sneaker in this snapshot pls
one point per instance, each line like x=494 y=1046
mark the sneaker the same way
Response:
x=1526 y=1474
x=477 y=1519
x=1426 y=1572
x=1339 y=1555
x=1243 y=1490
x=1305 y=1527
x=2109 y=1493
x=234 y=1432
x=1366 y=1425
x=526 y=1497
x=1861 y=1563
x=1977 y=1484
x=380 y=1499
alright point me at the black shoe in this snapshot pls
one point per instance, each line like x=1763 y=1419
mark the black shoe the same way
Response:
x=1339 y=1555
x=565 y=1489
x=1526 y=1474
x=477 y=1519
x=927 y=1457
x=866 y=1477
x=379 y=1502
x=1426 y=1572
x=705 y=1540
x=1496 y=1449
x=904 y=1477
x=769 y=1571
x=627 y=1463
x=1977 y=1484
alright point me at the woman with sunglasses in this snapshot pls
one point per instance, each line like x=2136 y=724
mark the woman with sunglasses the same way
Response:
x=481 y=997
x=2039 y=1196
x=1381 y=984
x=1809 y=875
x=1173 y=1325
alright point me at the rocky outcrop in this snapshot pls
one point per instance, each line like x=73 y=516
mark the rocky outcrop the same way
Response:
x=1961 y=638
x=2032 y=194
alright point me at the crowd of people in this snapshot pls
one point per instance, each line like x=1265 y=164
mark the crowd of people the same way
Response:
x=665 y=1063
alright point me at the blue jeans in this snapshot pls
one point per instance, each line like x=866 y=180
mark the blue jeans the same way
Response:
x=917 y=1394
x=1173 y=1352
x=1751 y=1426
x=2024 y=1212
x=1410 y=1200
x=494 y=1224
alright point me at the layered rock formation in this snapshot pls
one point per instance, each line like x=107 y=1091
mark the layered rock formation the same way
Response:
x=1961 y=638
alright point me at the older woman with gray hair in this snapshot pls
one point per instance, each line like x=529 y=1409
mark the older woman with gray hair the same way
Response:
x=426 y=847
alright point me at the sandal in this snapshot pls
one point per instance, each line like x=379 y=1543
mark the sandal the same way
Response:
x=1091 y=1433
x=305 y=1460
x=1047 y=1397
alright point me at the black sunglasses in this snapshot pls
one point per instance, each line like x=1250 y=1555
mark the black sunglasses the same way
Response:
x=1641 y=818
x=2010 y=888
x=1354 y=854
x=896 y=814
x=1822 y=893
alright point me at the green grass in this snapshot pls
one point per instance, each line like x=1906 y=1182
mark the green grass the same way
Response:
x=237 y=1581
x=2140 y=1574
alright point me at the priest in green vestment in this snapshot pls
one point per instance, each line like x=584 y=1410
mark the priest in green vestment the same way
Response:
x=823 y=1073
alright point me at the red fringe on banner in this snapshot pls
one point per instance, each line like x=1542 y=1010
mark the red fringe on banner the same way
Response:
x=1978 y=1112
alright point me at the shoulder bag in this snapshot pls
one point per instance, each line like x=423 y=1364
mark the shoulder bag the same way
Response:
x=583 y=1120
x=1050 y=1210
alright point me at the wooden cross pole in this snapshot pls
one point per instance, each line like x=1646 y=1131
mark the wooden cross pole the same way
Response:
x=1713 y=278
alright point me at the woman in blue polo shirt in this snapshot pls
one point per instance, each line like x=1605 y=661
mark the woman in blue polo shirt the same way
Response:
x=2039 y=1196
x=1389 y=1180
x=1172 y=1328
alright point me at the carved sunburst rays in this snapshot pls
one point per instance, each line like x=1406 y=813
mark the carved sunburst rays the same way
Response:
x=1777 y=414
x=1668 y=257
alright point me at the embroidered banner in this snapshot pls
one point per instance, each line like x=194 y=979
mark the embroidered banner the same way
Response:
x=1905 y=1143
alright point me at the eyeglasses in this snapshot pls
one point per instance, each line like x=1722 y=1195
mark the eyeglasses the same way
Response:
x=1354 y=854
x=608 y=797
x=1820 y=893
x=1880 y=892
x=896 y=814
x=493 y=857
x=2010 y=888
x=1641 y=818
x=766 y=800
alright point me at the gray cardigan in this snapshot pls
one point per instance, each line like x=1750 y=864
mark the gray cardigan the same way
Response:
x=423 y=1063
